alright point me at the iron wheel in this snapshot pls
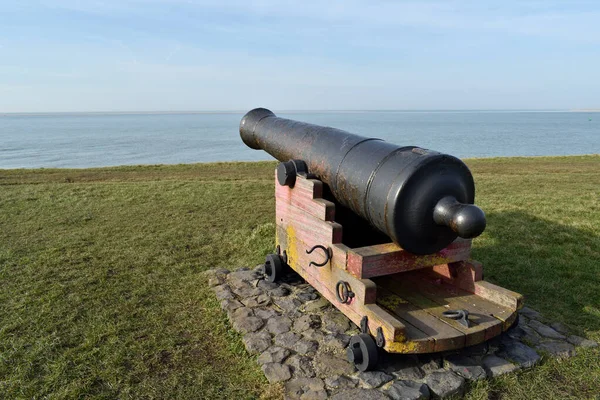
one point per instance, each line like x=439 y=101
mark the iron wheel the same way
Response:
x=362 y=352
x=273 y=268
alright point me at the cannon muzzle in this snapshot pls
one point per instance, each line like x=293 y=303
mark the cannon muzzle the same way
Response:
x=422 y=199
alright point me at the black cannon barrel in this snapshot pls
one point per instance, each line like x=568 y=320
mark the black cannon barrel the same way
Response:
x=422 y=199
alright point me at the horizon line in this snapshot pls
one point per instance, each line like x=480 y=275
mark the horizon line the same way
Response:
x=191 y=112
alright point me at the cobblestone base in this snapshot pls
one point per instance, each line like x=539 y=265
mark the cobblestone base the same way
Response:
x=300 y=339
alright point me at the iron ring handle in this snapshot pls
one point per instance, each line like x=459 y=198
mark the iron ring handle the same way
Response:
x=462 y=316
x=346 y=294
x=455 y=314
x=327 y=255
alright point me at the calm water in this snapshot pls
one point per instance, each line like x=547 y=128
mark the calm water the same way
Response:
x=28 y=141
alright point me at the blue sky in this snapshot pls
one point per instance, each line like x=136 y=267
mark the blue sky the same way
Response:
x=148 y=55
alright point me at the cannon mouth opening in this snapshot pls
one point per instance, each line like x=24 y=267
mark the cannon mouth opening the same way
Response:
x=248 y=126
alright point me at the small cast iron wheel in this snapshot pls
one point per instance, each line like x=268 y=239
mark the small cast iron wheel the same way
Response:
x=362 y=352
x=273 y=268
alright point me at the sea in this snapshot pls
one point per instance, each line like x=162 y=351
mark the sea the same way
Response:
x=96 y=139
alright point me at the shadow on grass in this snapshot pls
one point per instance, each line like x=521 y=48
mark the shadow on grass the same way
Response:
x=556 y=267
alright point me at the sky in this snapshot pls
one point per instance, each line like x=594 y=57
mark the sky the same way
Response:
x=176 y=55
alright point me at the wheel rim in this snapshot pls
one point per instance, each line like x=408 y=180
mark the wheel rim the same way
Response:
x=362 y=352
x=268 y=269
x=354 y=353
x=273 y=267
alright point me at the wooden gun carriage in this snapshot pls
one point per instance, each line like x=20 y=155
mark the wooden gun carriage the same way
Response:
x=407 y=295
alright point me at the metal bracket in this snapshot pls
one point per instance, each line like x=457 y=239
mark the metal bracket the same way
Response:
x=380 y=339
x=327 y=255
x=462 y=316
x=284 y=257
x=364 y=324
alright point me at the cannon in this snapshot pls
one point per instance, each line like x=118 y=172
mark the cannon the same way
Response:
x=422 y=199
x=384 y=233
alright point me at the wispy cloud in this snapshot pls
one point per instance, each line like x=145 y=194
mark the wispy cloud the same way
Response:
x=578 y=21
x=301 y=54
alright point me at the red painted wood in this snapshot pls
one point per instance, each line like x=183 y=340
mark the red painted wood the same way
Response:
x=461 y=274
x=389 y=258
x=306 y=195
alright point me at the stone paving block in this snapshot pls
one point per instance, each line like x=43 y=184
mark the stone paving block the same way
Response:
x=257 y=342
x=277 y=325
x=496 y=366
x=430 y=362
x=305 y=347
x=328 y=364
x=216 y=280
x=408 y=390
x=275 y=372
x=265 y=313
x=445 y=383
x=360 y=394
x=244 y=321
x=315 y=306
x=307 y=296
x=297 y=387
x=560 y=328
x=374 y=379
x=230 y=304
x=340 y=382
x=335 y=321
x=582 y=342
x=245 y=275
x=529 y=313
x=336 y=341
x=545 y=330
x=520 y=353
x=223 y=292
x=287 y=304
x=301 y=366
x=466 y=367
x=557 y=348
x=273 y=354
x=279 y=292
x=314 y=334
x=306 y=322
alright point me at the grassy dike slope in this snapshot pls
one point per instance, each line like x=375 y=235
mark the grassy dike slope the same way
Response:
x=102 y=293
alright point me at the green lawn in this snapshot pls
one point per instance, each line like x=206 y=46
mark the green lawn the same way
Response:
x=102 y=292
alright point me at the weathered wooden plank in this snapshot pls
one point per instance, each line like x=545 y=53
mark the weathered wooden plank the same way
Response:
x=437 y=304
x=306 y=195
x=296 y=239
x=420 y=325
x=307 y=227
x=499 y=295
x=467 y=276
x=389 y=258
x=324 y=279
x=486 y=314
x=500 y=302
x=462 y=274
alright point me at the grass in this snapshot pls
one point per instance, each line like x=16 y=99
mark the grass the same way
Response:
x=103 y=296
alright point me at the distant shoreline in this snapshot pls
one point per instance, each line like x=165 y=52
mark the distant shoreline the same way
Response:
x=101 y=113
